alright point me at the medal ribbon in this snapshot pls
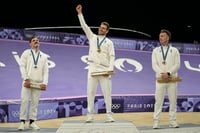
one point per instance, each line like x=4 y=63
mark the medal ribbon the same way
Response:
x=164 y=55
x=99 y=44
x=35 y=60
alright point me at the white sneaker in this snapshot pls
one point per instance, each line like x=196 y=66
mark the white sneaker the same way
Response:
x=89 y=118
x=173 y=124
x=109 y=118
x=156 y=125
x=34 y=126
x=21 y=126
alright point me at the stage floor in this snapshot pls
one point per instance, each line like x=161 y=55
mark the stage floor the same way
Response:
x=188 y=123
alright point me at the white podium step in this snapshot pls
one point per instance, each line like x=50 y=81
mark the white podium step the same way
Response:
x=98 y=126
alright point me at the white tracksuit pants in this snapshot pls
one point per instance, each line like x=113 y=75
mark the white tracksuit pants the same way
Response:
x=32 y=96
x=161 y=89
x=106 y=85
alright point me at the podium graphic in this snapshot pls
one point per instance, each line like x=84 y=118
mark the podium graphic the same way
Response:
x=98 y=126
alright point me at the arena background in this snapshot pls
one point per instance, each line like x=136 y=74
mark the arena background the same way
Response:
x=66 y=94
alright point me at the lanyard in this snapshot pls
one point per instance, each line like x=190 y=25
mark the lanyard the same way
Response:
x=35 y=60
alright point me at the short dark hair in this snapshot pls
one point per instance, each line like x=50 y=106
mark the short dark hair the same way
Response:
x=167 y=32
x=107 y=24
x=34 y=36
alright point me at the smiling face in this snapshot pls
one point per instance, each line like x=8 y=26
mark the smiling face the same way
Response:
x=103 y=29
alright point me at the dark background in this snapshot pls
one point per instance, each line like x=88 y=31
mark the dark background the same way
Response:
x=141 y=19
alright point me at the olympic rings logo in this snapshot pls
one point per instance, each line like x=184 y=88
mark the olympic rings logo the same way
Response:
x=15 y=113
x=116 y=106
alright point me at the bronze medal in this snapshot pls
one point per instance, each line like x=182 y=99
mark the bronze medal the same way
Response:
x=163 y=62
x=164 y=54
x=98 y=50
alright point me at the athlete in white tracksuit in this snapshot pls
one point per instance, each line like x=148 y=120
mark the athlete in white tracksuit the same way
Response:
x=165 y=63
x=33 y=68
x=101 y=58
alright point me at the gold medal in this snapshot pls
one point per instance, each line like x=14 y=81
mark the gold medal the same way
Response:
x=163 y=62
x=99 y=44
x=98 y=50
